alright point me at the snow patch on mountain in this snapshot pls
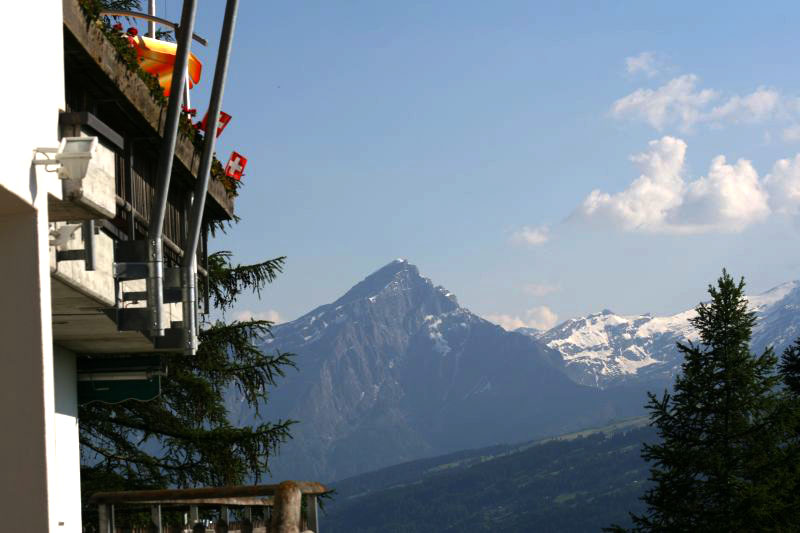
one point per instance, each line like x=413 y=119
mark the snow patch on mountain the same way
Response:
x=439 y=342
x=605 y=348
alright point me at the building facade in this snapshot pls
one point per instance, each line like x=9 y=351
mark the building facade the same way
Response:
x=72 y=274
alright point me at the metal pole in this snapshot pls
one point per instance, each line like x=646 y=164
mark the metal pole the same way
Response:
x=155 y=250
x=196 y=218
x=186 y=101
x=151 y=25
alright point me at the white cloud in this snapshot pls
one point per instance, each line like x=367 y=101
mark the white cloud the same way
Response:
x=728 y=199
x=680 y=103
x=783 y=184
x=542 y=289
x=541 y=317
x=532 y=236
x=675 y=102
x=269 y=314
x=792 y=133
x=644 y=63
x=646 y=203
x=755 y=107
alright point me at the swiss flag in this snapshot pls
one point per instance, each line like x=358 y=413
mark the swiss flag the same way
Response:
x=235 y=167
x=224 y=118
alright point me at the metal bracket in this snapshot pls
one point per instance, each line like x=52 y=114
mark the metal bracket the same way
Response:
x=86 y=254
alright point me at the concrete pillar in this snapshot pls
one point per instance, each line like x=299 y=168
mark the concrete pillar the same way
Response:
x=67 y=448
x=33 y=494
x=27 y=451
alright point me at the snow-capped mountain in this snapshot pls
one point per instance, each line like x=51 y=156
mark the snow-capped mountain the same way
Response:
x=396 y=370
x=605 y=348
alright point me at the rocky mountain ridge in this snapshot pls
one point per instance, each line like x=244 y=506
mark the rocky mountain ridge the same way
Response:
x=605 y=349
x=396 y=370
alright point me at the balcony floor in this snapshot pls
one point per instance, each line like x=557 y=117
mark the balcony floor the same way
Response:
x=80 y=325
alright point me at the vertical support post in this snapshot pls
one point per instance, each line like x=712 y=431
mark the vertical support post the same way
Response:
x=207 y=296
x=151 y=26
x=113 y=518
x=286 y=510
x=313 y=516
x=248 y=513
x=194 y=515
x=155 y=516
x=224 y=516
x=103 y=522
x=128 y=194
x=189 y=266
x=155 y=245
x=87 y=231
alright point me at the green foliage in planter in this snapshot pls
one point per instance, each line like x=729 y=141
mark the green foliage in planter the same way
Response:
x=218 y=173
x=125 y=52
x=187 y=130
x=127 y=55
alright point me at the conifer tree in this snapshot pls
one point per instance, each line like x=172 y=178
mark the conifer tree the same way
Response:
x=185 y=437
x=790 y=368
x=717 y=463
x=790 y=374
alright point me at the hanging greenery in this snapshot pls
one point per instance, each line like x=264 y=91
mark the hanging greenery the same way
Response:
x=112 y=29
x=218 y=173
x=119 y=40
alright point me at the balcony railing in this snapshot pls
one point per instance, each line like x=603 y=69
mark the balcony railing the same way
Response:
x=287 y=506
x=104 y=100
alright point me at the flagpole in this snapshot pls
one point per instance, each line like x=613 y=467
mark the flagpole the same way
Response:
x=151 y=25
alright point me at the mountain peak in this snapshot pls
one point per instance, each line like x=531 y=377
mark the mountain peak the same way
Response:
x=398 y=274
x=773 y=295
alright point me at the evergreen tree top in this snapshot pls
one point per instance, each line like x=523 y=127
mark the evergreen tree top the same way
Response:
x=718 y=463
x=725 y=320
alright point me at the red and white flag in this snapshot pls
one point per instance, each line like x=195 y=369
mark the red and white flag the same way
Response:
x=224 y=118
x=235 y=167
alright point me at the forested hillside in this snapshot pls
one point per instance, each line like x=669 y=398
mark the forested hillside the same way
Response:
x=580 y=484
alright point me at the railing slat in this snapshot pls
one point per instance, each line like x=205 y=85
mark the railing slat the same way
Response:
x=313 y=517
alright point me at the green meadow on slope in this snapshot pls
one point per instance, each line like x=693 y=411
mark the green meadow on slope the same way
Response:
x=578 y=482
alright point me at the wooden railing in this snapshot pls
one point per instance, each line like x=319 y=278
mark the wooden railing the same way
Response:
x=288 y=507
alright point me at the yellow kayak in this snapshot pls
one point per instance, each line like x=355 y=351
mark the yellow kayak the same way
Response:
x=158 y=58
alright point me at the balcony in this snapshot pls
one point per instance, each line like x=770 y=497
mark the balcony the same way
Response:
x=100 y=221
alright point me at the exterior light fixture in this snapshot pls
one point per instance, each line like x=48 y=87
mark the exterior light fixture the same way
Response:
x=73 y=154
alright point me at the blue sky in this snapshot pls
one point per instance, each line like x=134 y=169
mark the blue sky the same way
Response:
x=469 y=137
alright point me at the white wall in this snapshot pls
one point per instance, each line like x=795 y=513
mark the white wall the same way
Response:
x=32 y=492
x=67 y=506
x=27 y=446
x=36 y=96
